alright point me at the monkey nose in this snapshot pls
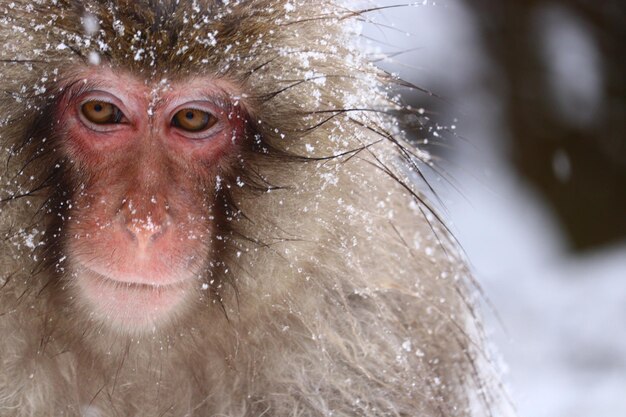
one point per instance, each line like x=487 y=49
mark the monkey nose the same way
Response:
x=144 y=232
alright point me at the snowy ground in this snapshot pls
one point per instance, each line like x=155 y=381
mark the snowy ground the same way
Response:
x=563 y=332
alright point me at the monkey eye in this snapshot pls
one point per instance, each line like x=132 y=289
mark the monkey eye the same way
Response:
x=101 y=112
x=193 y=120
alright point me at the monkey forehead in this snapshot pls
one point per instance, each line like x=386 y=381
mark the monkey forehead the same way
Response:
x=157 y=92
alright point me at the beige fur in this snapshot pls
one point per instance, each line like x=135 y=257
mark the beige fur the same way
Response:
x=335 y=291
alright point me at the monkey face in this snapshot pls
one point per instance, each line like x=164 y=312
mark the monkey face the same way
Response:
x=148 y=161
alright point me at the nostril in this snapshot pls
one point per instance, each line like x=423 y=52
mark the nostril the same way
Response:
x=145 y=231
x=157 y=233
x=143 y=220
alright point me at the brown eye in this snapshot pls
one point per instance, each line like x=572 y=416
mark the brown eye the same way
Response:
x=193 y=120
x=101 y=112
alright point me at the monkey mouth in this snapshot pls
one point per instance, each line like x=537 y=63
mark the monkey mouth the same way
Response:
x=130 y=303
x=137 y=285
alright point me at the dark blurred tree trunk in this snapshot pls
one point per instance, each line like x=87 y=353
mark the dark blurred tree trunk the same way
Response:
x=591 y=205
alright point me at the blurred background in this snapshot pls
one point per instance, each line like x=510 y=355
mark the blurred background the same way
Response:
x=528 y=123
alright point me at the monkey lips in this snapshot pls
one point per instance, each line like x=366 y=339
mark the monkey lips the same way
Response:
x=131 y=304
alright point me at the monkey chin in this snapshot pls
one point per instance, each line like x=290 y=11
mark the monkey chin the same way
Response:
x=132 y=306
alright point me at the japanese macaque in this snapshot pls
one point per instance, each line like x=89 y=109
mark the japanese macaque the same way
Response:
x=208 y=209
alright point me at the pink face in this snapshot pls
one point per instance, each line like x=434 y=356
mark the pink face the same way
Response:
x=148 y=160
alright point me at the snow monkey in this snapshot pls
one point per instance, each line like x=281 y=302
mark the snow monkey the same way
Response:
x=208 y=209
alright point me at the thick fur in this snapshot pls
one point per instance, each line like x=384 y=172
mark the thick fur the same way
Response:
x=334 y=289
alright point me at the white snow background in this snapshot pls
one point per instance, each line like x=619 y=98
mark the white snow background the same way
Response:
x=563 y=315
